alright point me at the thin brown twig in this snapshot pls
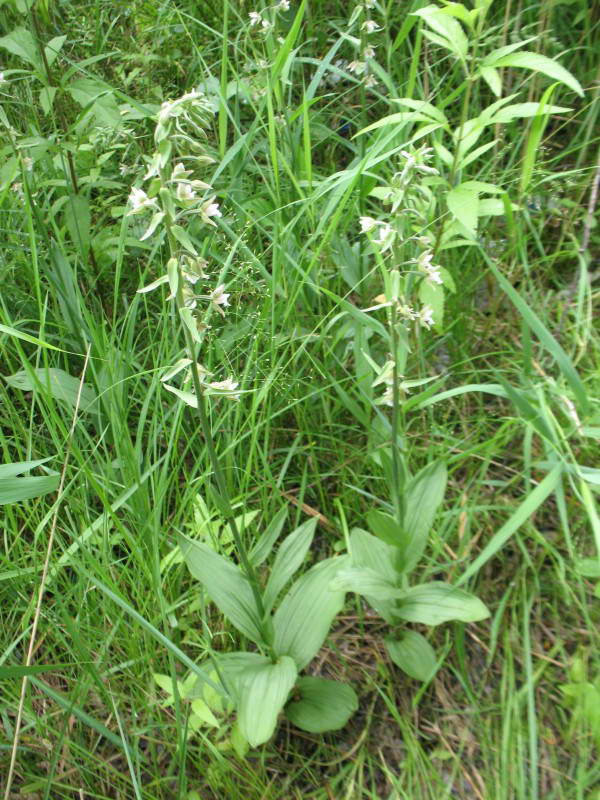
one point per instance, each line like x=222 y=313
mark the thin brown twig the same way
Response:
x=42 y=586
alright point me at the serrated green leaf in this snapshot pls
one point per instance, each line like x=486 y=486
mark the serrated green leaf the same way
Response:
x=263 y=691
x=226 y=586
x=289 y=558
x=324 y=705
x=304 y=617
x=21 y=43
x=435 y=603
x=413 y=654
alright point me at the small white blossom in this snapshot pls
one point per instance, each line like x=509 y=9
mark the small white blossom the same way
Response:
x=385 y=237
x=139 y=201
x=210 y=209
x=283 y=5
x=369 y=52
x=28 y=163
x=387 y=398
x=228 y=387
x=185 y=193
x=255 y=18
x=368 y=223
x=356 y=67
x=370 y=26
x=219 y=297
x=426 y=316
x=266 y=25
x=370 y=81
x=432 y=270
x=179 y=171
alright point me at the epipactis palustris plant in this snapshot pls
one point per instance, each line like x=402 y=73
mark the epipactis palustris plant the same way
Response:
x=287 y=631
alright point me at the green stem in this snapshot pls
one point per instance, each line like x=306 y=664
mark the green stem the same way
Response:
x=205 y=426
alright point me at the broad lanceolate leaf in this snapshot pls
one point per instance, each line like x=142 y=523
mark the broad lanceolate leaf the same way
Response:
x=21 y=43
x=324 y=705
x=425 y=493
x=304 y=617
x=266 y=542
x=413 y=654
x=436 y=602
x=263 y=692
x=18 y=467
x=57 y=382
x=463 y=203
x=370 y=552
x=233 y=666
x=368 y=582
x=289 y=558
x=534 y=61
x=525 y=111
x=449 y=32
x=226 y=586
x=13 y=490
x=385 y=527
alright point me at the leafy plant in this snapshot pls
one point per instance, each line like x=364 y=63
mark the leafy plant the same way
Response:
x=382 y=561
x=258 y=683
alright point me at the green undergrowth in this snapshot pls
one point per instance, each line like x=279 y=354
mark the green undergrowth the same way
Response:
x=513 y=710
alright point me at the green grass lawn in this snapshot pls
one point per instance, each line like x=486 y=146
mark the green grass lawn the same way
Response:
x=358 y=363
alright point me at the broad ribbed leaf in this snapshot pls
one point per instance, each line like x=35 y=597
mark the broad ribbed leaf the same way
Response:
x=324 y=705
x=57 y=382
x=262 y=549
x=368 y=551
x=263 y=692
x=525 y=111
x=14 y=489
x=385 y=527
x=225 y=584
x=304 y=617
x=436 y=602
x=463 y=202
x=413 y=654
x=424 y=495
x=525 y=59
x=289 y=558
x=368 y=582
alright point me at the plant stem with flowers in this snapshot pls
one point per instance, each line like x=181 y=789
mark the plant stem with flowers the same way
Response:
x=258 y=683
